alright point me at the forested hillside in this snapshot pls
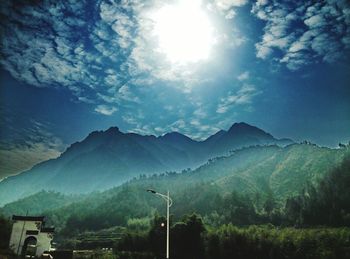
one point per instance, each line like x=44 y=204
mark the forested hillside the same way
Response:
x=244 y=204
x=249 y=186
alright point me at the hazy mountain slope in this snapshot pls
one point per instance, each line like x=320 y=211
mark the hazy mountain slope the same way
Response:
x=108 y=158
x=252 y=171
x=37 y=203
x=263 y=170
x=284 y=171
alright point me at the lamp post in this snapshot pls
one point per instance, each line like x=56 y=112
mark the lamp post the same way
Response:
x=169 y=203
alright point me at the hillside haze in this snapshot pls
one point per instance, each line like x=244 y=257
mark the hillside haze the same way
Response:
x=233 y=186
x=108 y=158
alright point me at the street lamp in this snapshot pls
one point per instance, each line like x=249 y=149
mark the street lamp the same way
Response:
x=169 y=203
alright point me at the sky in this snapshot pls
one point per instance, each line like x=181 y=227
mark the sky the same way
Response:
x=71 y=67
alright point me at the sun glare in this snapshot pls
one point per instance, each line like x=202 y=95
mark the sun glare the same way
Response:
x=184 y=32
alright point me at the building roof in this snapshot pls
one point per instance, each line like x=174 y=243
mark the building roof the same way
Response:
x=48 y=230
x=28 y=218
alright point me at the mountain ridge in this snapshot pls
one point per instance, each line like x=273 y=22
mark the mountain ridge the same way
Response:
x=108 y=158
x=267 y=172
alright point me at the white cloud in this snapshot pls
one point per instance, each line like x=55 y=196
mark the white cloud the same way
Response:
x=263 y=51
x=228 y=4
x=297 y=46
x=195 y=122
x=105 y=110
x=200 y=113
x=243 y=96
x=178 y=125
x=244 y=76
x=227 y=8
x=230 y=14
x=110 y=58
x=323 y=38
x=124 y=93
x=50 y=45
x=315 y=21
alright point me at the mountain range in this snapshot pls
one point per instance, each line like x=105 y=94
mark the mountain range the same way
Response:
x=105 y=159
x=246 y=180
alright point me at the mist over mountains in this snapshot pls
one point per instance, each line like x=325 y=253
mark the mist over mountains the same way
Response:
x=247 y=186
x=242 y=176
x=108 y=158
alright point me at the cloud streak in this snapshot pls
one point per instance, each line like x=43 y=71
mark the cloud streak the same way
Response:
x=243 y=96
x=27 y=147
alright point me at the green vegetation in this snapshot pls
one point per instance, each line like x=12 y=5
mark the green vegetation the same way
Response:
x=327 y=204
x=253 y=205
x=250 y=186
x=5 y=232
x=201 y=192
x=191 y=238
x=40 y=202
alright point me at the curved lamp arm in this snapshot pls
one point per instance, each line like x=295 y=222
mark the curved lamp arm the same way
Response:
x=164 y=196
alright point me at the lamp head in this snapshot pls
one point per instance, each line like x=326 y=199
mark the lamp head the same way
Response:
x=152 y=191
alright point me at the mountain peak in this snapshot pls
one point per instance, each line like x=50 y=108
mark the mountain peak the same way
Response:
x=113 y=130
x=176 y=137
x=99 y=133
x=245 y=128
x=240 y=125
x=174 y=134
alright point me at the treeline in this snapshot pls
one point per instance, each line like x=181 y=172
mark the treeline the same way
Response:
x=192 y=239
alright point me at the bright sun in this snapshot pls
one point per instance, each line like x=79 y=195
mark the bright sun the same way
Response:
x=184 y=32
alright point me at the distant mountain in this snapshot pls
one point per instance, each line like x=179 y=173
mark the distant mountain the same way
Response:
x=261 y=172
x=108 y=158
x=239 y=135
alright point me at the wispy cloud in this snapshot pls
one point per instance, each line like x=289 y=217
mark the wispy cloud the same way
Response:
x=303 y=33
x=63 y=45
x=244 y=76
x=105 y=109
x=243 y=96
x=227 y=7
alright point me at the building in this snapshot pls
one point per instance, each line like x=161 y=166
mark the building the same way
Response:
x=29 y=236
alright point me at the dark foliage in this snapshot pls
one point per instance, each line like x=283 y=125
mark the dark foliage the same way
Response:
x=5 y=232
x=191 y=239
x=327 y=204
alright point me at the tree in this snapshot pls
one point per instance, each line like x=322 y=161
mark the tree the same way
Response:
x=186 y=238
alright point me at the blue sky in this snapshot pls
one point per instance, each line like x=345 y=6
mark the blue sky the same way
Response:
x=70 y=67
